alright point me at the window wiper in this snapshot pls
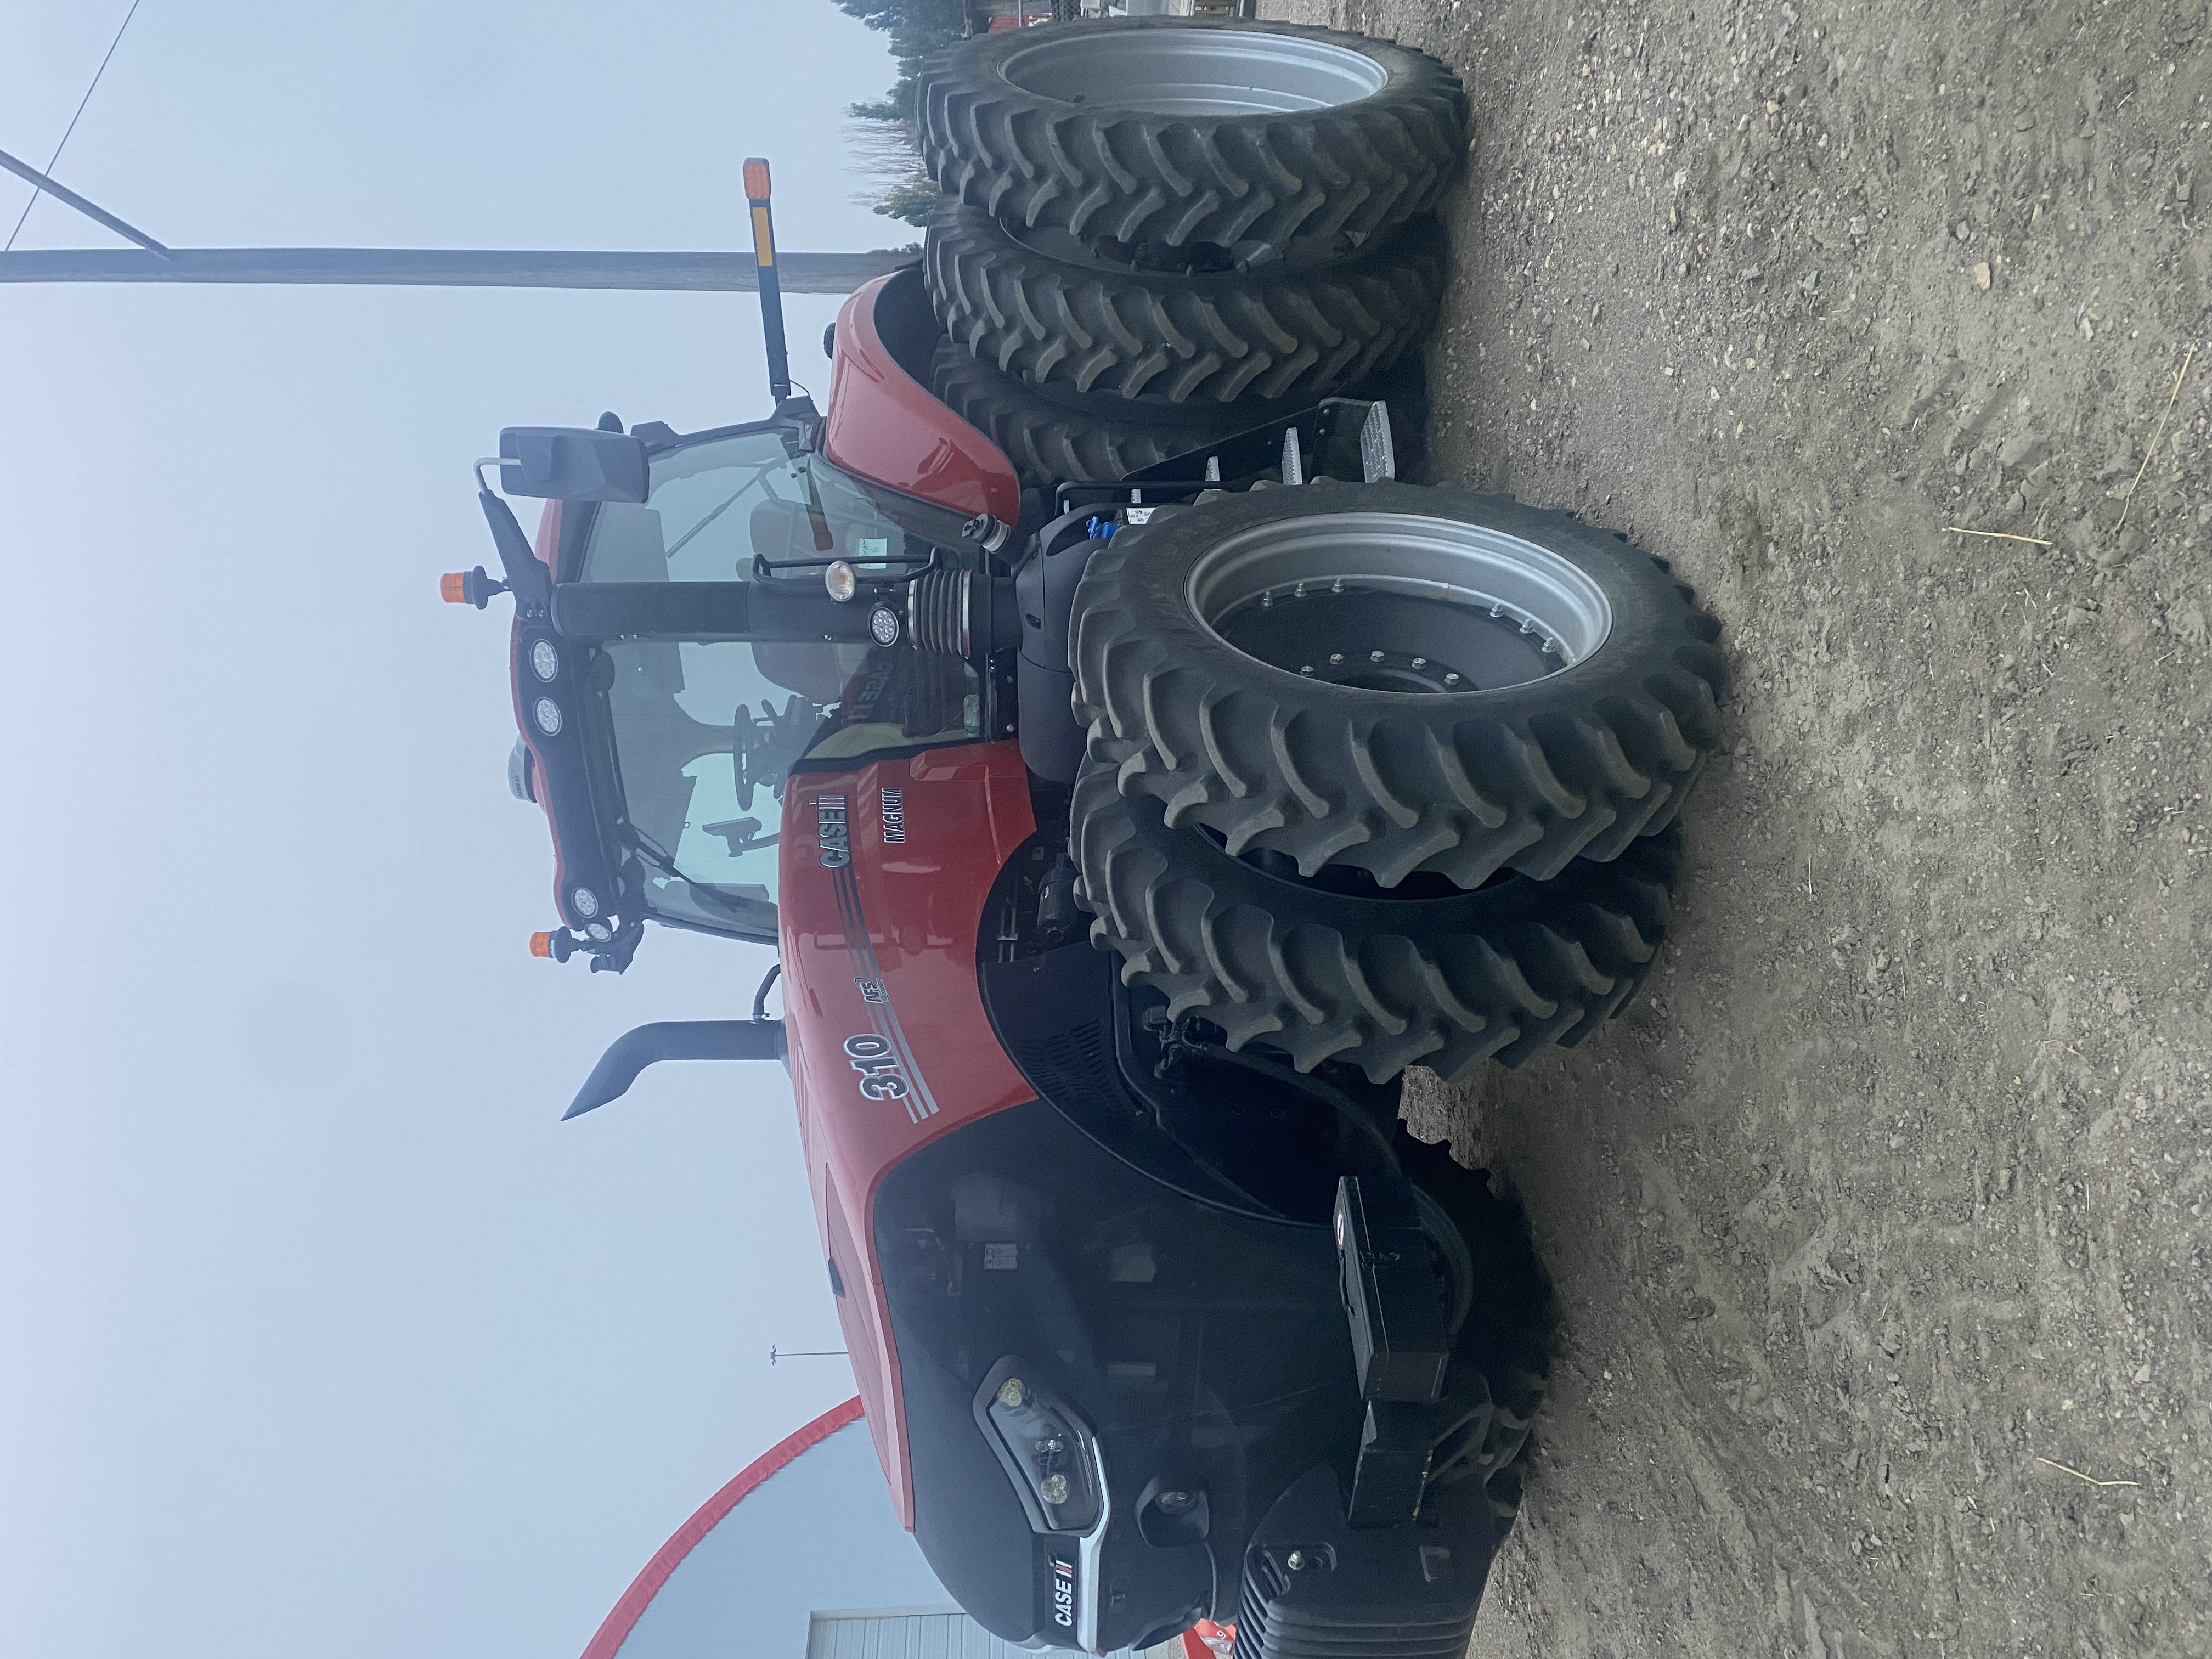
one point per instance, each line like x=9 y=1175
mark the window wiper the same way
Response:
x=683 y=540
x=644 y=846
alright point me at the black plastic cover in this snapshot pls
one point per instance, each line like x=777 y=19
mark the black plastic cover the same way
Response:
x=1398 y=1335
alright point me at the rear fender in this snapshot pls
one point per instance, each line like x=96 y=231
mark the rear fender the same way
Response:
x=885 y=427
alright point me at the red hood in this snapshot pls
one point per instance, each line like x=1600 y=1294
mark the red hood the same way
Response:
x=889 y=1046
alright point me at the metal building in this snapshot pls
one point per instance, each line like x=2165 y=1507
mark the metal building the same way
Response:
x=799 y=1556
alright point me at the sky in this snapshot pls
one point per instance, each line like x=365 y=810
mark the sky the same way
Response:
x=319 y=1333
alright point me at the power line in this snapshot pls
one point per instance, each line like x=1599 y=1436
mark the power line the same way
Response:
x=82 y=102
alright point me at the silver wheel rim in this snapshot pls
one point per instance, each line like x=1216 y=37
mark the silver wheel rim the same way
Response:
x=1399 y=602
x=1195 y=71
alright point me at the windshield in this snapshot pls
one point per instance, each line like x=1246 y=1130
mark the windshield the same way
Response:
x=706 y=733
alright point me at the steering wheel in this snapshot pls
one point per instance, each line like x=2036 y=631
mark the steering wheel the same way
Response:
x=765 y=749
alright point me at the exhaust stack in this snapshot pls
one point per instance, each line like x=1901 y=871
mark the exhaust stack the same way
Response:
x=771 y=292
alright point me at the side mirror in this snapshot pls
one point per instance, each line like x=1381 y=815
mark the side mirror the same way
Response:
x=573 y=464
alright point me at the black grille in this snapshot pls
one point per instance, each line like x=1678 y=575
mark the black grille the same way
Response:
x=1265 y=1629
x=1271 y=1625
x=1070 y=1067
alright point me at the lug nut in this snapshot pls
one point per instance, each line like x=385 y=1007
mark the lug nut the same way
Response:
x=1451 y=679
x=1375 y=656
x=1336 y=656
x=1308 y=669
x=1012 y=1394
x=1297 y=1561
x=1421 y=662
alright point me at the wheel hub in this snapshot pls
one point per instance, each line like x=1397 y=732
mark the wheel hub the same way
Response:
x=1195 y=71
x=1399 y=603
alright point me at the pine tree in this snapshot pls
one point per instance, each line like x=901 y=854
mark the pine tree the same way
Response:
x=916 y=27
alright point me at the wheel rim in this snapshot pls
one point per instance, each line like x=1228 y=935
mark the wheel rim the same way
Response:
x=1399 y=602
x=1196 y=71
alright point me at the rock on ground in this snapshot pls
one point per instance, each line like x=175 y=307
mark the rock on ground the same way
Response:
x=1892 y=1183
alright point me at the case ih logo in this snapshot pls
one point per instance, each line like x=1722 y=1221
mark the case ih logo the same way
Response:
x=832 y=831
x=1063 y=1593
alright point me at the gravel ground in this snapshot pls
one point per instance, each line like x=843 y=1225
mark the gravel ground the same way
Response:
x=1882 y=1210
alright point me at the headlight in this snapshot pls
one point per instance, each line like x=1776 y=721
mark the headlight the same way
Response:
x=547 y=713
x=1042 y=1445
x=586 y=902
x=842 y=579
x=545 y=661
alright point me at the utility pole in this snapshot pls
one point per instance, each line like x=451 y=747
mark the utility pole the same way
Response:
x=417 y=267
x=385 y=267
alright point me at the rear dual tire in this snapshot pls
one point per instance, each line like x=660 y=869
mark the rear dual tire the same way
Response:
x=1055 y=437
x=1196 y=337
x=1162 y=230
x=1248 y=137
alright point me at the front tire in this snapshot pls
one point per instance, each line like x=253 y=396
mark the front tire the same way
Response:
x=1336 y=972
x=1508 y=1335
x=1396 y=677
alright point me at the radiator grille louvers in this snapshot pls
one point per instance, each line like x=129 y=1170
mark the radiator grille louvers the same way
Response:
x=1267 y=1629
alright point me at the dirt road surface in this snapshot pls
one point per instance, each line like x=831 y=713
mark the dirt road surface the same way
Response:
x=1883 y=1209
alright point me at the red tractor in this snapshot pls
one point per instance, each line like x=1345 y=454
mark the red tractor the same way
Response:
x=1134 y=777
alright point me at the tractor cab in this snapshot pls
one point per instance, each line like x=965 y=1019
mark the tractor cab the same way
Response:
x=703 y=615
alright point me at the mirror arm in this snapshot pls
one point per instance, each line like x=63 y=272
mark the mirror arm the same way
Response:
x=530 y=581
